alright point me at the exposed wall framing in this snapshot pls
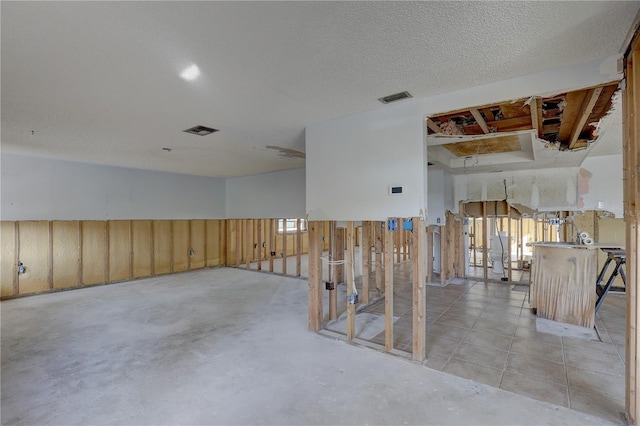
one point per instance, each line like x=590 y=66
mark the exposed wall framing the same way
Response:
x=631 y=164
x=85 y=253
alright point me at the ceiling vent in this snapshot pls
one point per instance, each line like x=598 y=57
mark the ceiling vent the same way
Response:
x=201 y=130
x=395 y=97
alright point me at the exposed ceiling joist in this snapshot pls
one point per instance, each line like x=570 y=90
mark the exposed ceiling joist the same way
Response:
x=483 y=124
x=563 y=120
x=433 y=126
x=536 y=115
x=587 y=107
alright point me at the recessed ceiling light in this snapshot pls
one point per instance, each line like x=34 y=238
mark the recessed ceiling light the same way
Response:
x=201 y=130
x=190 y=73
x=395 y=97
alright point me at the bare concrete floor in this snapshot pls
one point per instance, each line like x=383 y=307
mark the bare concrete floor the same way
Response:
x=222 y=346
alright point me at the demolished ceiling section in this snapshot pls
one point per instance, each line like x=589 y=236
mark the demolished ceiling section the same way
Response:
x=566 y=121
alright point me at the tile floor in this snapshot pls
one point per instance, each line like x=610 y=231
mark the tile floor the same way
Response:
x=486 y=332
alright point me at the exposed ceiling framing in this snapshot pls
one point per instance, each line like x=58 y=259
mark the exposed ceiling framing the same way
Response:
x=567 y=120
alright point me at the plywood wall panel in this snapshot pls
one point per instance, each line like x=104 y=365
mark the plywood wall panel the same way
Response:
x=66 y=254
x=94 y=247
x=222 y=245
x=142 y=246
x=180 y=245
x=162 y=247
x=212 y=229
x=119 y=250
x=198 y=259
x=34 y=254
x=7 y=257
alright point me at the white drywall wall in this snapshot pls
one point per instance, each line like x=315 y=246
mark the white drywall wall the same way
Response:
x=47 y=189
x=352 y=160
x=603 y=184
x=449 y=198
x=435 y=203
x=556 y=188
x=269 y=195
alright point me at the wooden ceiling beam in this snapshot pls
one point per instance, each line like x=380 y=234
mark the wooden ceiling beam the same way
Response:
x=483 y=124
x=587 y=107
x=433 y=126
x=487 y=113
x=536 y=115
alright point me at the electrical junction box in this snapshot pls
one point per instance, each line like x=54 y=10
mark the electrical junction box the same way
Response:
x=396 y=190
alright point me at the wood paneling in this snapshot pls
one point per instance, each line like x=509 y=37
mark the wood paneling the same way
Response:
x=492 y=145
x=94 y=246
x=7 y=258
x=162 y=247
x=142 y=248
x=66 y=254
x=119 y=250
x=180 y=245
x=222 y=245
x=213 y=232
x=198 y=259
x=34 y=254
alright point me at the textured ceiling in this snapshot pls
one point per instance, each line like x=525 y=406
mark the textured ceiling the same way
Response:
x=99 y=81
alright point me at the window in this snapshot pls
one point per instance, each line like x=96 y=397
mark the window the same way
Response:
x=291 y=225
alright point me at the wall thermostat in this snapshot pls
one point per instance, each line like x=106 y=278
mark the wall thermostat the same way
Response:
x=396 y=190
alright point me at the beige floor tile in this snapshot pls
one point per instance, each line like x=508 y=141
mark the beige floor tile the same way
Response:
x=497 y=317
x=593 y=382
x=537 y=368
x=402 y=336
x=492 y=340
x=503 y=310
x=594 y=361
x=482 y=355
x=617 y=337
x=503 y=328
x=405 y=321
x=455 y=320
x=598 y=404
x=527 y=322
x=537 y=349
x=464 y=312
x=452 y=332
x=436 y=361
x=469 y=303
x=584 y=345
x=538 y=389
x=532 y=334
x=441 y=345
x=475 y=372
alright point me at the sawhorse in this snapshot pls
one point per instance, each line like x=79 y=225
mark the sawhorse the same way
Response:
x=618 y=256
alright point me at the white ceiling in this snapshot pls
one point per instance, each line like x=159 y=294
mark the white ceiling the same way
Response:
x=99 y=81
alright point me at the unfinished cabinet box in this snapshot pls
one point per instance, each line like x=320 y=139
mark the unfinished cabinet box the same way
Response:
x=563 y=280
